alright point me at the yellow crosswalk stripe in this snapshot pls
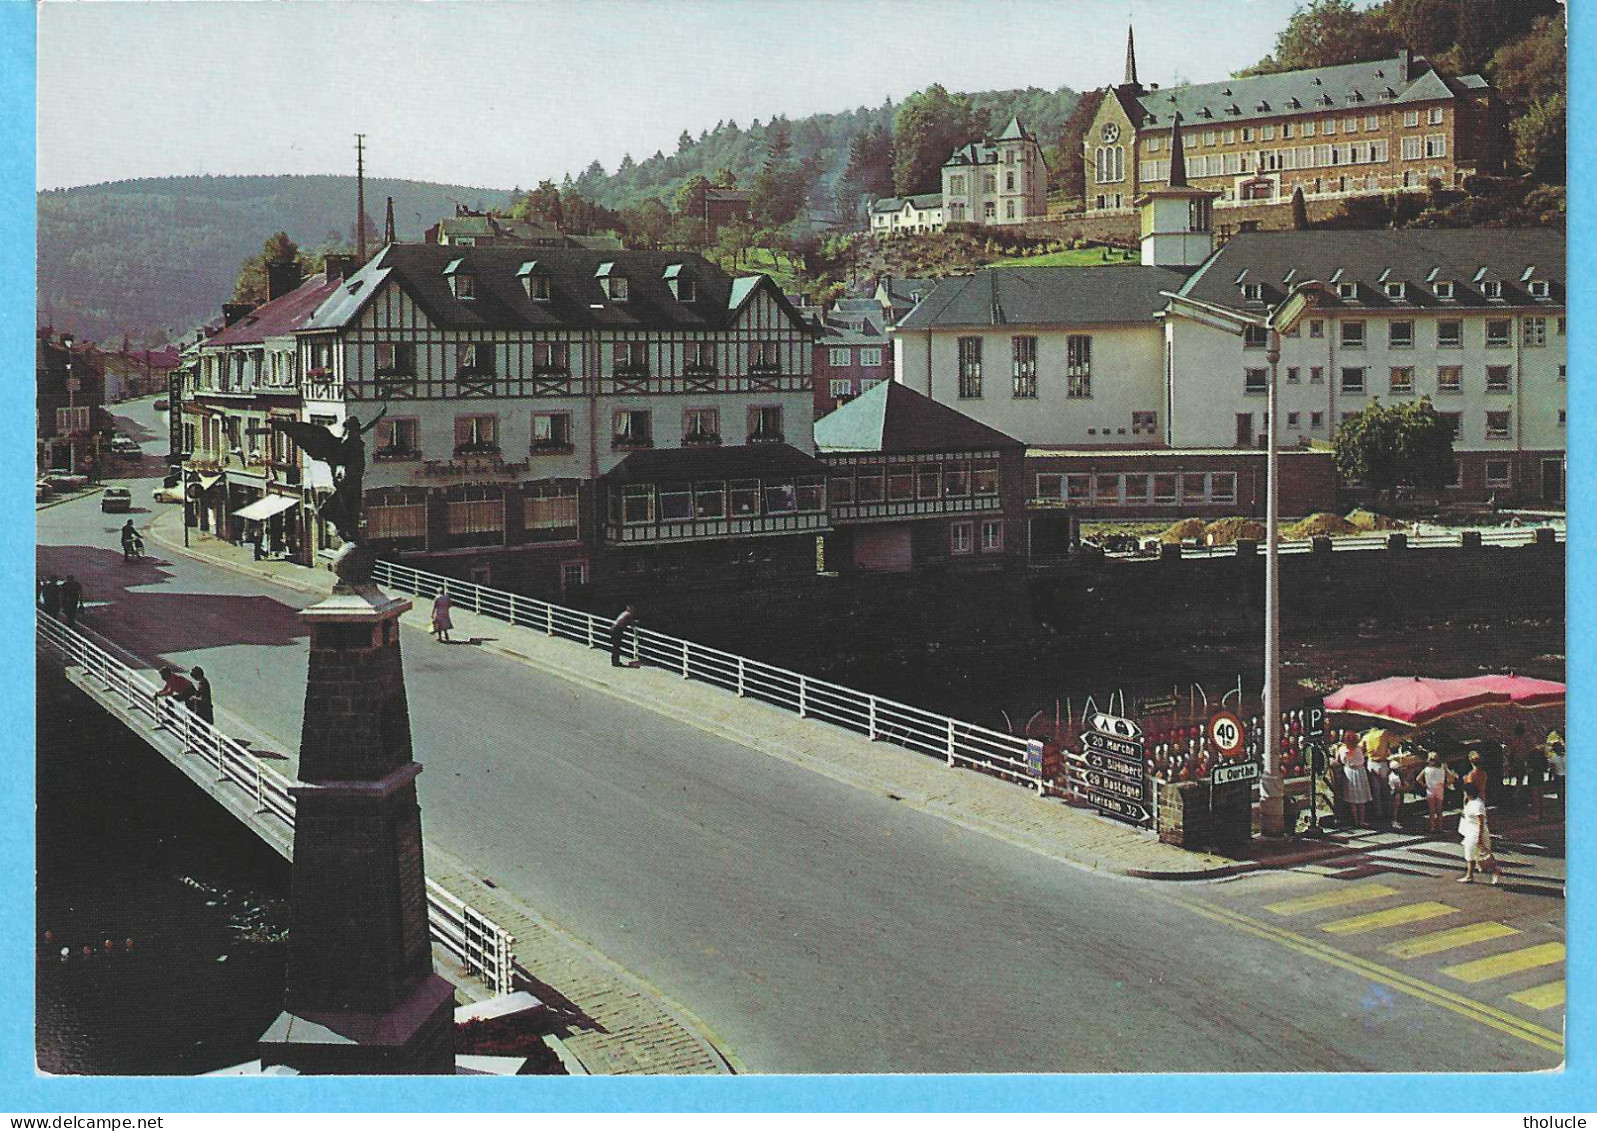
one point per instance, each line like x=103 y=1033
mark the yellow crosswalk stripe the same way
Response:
x=1541 y=997
x=1511 y=962
x=1450 y=939
x=1339 y=897
x=1391 y=917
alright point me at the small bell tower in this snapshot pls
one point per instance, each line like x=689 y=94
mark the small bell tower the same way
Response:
x=1177 y=219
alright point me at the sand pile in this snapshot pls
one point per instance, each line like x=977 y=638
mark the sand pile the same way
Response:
x=1181 y=531
x=1226 y=531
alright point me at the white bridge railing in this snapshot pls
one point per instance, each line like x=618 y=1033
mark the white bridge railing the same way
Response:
x=483 y=947
x=1440 y=540
x=958 y=743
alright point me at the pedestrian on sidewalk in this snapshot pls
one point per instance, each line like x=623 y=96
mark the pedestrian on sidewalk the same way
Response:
x=175 y=687
x=1477 y=837
x=1516 y=765
x=1535 y=777
x=1434 y=778
x=1554 y=748
x=200 y=701
x=50 y=596
x=1376 y=744
x=1477 y=776
x=618 y=631
x=441 y=621
x=258 y=543
x=1355 y=769
x=1394 y=789
x=71 y=600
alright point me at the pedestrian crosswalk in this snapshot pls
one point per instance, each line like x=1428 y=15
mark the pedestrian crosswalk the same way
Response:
x=1461 y=941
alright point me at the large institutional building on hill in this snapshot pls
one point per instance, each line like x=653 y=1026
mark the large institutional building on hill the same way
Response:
x=1383 y=126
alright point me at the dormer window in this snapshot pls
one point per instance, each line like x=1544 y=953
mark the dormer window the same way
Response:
x=1253 y=292
x=1538 y=288
x=462 y=283
x=1444 y=290
x=682 y=286
x=535 y=281
x=1491 y=288
x=614 y=285
x=1348 y=291
x=1397 y=291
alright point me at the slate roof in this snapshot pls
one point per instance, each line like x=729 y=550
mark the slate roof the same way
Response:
x=984 y=151
x=869 y=334
x=1418 y=257
x=921 y=200
x=1351 y=88
x=283 y=315
x=752 y=461
x=896 y=420
x=576 y=299
x=1041 y=296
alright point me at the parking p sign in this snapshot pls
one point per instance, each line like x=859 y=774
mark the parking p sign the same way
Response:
x=1225 y=733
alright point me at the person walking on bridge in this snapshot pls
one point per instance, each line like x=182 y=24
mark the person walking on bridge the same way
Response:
x=618 y=632
x=50 y=595
x=441 y=620
x=200 y=701
x=71 y=600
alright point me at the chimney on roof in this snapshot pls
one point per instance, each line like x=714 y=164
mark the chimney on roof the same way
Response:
x=1406 y=62
x=233 y=311
x=339 y=266
x=281 y=278
x=388 y=224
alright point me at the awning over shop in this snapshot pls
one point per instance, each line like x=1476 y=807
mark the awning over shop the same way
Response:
x=262 y=509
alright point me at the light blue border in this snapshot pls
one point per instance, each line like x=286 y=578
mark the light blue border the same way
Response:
x=23 y=1092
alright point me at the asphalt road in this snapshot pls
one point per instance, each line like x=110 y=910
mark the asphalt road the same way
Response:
x=815 y=927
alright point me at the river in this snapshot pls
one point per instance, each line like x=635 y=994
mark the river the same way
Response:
x=129 y=848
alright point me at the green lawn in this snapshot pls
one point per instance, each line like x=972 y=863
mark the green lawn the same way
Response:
x=764 y=261
x=1082 y=257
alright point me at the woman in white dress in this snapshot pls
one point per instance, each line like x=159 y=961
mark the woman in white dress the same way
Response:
x=1476 y=836
x=1355 y=771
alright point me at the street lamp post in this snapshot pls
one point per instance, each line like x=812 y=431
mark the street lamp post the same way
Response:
x=1272 y=785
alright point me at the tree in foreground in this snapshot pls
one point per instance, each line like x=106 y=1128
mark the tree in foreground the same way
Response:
x=1387 y=446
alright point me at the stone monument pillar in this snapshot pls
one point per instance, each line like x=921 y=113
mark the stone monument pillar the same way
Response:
x=361 y=995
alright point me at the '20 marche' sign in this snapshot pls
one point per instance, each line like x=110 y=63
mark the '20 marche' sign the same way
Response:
x=1115 y=781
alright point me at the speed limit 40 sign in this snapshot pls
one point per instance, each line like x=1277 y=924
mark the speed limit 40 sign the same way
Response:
x=1225 y=732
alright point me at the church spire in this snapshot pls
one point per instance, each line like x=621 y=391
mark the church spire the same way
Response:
x=1178 y=155
x=1131 y=59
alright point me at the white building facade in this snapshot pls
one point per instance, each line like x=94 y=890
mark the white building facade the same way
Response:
x=996 y=181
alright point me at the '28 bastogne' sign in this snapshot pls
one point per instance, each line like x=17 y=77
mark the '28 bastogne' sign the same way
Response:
x=1116 y=779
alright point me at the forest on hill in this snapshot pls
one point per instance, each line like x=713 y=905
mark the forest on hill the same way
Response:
x=155 y=257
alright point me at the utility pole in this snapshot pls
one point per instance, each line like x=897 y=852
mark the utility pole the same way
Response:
x=360 y=199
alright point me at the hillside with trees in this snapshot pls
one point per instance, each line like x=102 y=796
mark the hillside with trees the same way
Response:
x=153 y=258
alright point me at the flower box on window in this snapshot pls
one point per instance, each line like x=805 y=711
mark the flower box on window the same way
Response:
x=482 y=449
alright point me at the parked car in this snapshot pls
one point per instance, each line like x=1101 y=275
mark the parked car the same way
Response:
x=126 y=447
x=116 y=499
x=161 y=405
x=167 y=494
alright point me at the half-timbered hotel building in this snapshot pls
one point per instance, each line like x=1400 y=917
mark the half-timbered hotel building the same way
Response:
x=554 y=418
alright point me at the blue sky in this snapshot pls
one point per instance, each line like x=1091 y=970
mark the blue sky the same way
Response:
x=508 y=93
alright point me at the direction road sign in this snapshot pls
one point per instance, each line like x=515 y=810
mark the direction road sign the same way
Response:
x=1238 y=771
x=1114 y=787
x=1115 y=726
x=1125 y=771
x=1119 y=808
x=1225 y=732
x=1156 y=705
x=1115 y=747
